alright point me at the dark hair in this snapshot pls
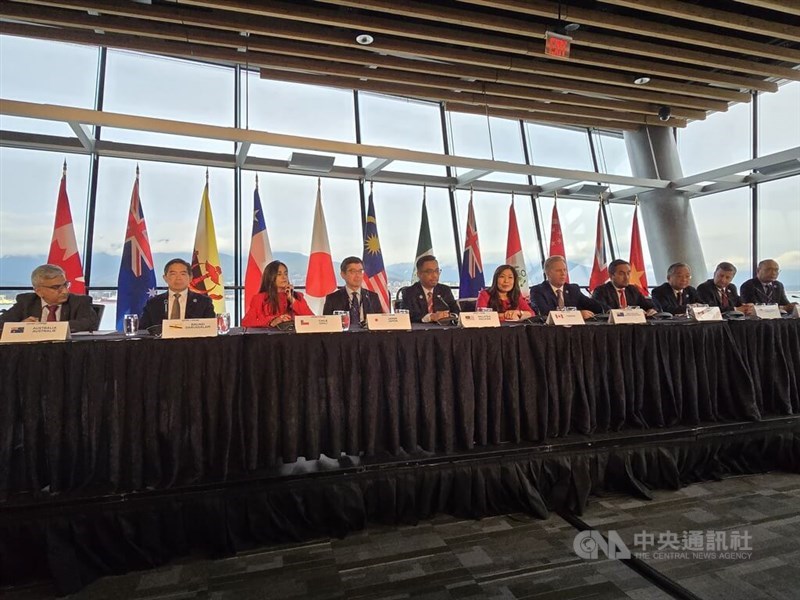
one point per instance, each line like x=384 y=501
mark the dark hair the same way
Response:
x=612 y=266
x=350 y=260
x=176 y=261
x=726 y=267
x=513 y=295
x=423 y=259
x=268 y=283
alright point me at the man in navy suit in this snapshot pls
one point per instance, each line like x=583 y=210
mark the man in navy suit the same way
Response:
x=358 y=301
x=676 y=294
x=179 y=302
x=765 y=288
x=556 y=293
x=619 y=293
x=720 y=292
x=52 y=301
x=428 y=300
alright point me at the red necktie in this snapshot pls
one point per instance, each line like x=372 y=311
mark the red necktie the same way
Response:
x=430 y=302
x=724 y=296
x=51 y=316
x=623 y=302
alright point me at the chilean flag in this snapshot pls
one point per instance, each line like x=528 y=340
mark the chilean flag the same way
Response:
x=260 y=252
x=600 y=265
x=320 y=277
x=471 y=280
x=64 y=247
x=556 y=239
x=514 y=255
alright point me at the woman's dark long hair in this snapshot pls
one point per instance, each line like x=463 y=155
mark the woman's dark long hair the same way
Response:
x=513 y=295
x=268 y=283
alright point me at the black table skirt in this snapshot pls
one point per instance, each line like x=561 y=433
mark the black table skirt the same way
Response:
x=130 y=414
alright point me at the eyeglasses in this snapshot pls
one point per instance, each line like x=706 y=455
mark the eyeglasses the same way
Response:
x=56 y=288
x=431 y=271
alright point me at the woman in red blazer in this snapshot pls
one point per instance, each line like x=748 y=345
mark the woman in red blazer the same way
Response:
x=505 y=297
x=276 y=301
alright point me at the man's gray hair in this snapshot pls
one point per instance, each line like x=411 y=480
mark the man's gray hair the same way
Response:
x=553 y=260
x=675 y=266
x=46 y=272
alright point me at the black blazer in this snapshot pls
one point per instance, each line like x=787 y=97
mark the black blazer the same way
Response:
x=340 y=300
x=543 y=299
x=707 y=294
x=606 y=295
x=666 y=300
x=416 y=303
x=198 y=306
x=753 y=292
x=77 y=310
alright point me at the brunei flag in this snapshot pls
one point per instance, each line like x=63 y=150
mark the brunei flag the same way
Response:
x=206 y=268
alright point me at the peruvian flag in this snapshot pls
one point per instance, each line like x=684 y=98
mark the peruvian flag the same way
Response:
x=64 y=247
x=260 y=251
x=600 y=264
x=320 y=277
x=638 y=276
x=556 y=239
x=514 y=256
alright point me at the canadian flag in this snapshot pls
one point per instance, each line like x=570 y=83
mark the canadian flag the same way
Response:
x=600 y=265
x=64 y=247
x=556 y=239
x=514 y=255
x=320 y=277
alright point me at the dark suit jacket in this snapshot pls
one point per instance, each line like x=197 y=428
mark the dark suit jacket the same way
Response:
x=606 y=295
x=77 y=310
x=340 y=300
x=666 y=300
x=198 y=306
x=543 y=299
x=753 y=292
x=707 y=294
x=416 y=303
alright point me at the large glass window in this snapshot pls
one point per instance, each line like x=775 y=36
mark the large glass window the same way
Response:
x=612 y=156
x=28 y=196
x=722 y=139
x=558 y=147
x=620 y=222
x=578 y=226
x=779 y=229
x=476 y=136
x=49 y=72
x=779 y=119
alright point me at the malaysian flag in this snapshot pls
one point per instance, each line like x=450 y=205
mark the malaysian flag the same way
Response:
x=471 y=267
x=137 y=279
x=374 y=271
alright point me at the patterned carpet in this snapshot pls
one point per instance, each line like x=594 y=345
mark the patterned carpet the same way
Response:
x=511 y=556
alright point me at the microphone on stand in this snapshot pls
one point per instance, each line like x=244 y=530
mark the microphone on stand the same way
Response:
x=451 y=318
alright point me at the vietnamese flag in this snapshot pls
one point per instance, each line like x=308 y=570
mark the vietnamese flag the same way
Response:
x=638 y=276
x=320 y=277
x=64 y=246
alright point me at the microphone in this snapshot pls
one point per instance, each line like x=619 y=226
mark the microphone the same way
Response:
x=166 y=306
x=451 y=317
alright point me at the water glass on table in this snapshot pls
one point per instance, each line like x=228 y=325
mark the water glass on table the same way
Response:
x=223 y=323
x=130 y=324
x=345 y=317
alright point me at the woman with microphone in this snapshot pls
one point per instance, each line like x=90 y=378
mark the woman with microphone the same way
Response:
x=505 y=297
x=276 y=301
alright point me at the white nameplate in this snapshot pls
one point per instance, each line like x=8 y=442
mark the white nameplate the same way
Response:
x=487 y=318
x=189 y=328
x=565 y=317
x=389 y=322
x=321 y=324
x=35 y=331
x=767 y=311
x=796 y=311
x=705 y=313
x=626 y=316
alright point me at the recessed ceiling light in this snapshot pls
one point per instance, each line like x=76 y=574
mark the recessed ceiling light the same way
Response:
x=641 y=80
x=364 y=39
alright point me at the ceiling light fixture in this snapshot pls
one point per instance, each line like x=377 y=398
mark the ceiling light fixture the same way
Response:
x=364 y=39
x=642 y=80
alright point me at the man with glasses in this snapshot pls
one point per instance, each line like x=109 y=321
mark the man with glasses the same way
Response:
x=358 y=301
x=428 y=300
x=765 y=288
x=52 y=301
x=178 y=302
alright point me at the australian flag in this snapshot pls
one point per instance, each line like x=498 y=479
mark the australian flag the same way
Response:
x=374 y=272
x=137 y=279
x=471 y=280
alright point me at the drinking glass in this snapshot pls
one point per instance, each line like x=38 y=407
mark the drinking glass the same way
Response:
x=345 y=317
x=130 y=324
x=223 y=323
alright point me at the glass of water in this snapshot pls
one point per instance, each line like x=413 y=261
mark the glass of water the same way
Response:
x=223 y=323
x=345 y=317
x=130 y=324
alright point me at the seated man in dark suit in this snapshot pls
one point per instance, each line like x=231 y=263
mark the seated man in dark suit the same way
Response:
x=178 y=302
x=674 y=295
x=720 y=292
x=556 y=293
x=428 y=300
x=619 y=293
x=358 y=301
x=52 y=301
x=765 y=288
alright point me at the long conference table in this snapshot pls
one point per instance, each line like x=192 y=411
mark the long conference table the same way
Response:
x=123 y=414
